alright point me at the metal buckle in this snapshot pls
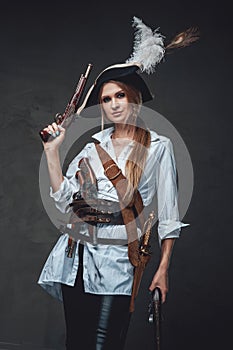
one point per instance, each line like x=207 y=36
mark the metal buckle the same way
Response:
x=109 y=167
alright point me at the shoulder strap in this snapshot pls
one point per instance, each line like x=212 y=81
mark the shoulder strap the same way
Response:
x=119 y=181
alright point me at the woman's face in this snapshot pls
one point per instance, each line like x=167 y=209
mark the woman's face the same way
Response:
x=115 y=104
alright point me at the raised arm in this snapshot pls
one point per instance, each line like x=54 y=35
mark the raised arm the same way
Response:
x=62 y=186
x=51 y=149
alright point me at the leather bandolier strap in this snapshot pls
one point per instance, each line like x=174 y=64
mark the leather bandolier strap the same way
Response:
x=130 y=210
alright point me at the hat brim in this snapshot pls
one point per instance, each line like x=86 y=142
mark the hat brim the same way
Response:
x=123 y=73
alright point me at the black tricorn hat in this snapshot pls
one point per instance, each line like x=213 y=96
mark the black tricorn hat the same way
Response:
x=123 y=72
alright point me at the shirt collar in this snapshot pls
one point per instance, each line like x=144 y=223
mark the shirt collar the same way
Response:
x=154 y=136
x=105 y=135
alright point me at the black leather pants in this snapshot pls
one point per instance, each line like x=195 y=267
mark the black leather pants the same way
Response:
x=94 y=322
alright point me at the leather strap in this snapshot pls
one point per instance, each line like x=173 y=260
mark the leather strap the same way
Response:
x=119 y=181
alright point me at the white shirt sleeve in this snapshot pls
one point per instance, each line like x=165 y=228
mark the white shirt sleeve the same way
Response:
x=64 y=195
x=169 y=225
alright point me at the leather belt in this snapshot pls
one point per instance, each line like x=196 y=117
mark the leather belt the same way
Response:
x=94 y=217
x=96 y=212
x=101 y=204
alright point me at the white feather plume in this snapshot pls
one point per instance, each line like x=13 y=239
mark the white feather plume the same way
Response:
x=148 y=49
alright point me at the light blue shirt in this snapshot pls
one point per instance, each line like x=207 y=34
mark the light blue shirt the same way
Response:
x=106 y=268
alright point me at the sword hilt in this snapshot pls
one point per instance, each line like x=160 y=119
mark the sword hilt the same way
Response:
x=155 y=314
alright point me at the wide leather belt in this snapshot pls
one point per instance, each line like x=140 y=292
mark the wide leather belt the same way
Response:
x=100 y=204
x=96 y=212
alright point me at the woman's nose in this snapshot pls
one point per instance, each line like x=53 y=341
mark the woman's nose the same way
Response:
x=114 y=103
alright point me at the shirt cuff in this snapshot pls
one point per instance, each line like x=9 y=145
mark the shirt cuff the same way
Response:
x=63 y=193
x=170 y=228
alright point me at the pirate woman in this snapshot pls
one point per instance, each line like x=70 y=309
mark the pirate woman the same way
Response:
x=92 y=266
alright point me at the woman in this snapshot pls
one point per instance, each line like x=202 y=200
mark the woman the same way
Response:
x=96 y=283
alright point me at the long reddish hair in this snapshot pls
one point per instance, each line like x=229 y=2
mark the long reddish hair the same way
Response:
x=137 y=157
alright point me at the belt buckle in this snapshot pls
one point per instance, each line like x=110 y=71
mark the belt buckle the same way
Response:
x=114 y=176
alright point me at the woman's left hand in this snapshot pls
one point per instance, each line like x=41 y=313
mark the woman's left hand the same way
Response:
x=160 y=280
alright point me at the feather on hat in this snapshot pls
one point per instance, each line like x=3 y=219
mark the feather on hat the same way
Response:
x=148 y=48
x=148 y=51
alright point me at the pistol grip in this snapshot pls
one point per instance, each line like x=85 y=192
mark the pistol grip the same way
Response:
x=44 y=135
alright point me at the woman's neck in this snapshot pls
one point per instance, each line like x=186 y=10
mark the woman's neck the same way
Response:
x=125 y=131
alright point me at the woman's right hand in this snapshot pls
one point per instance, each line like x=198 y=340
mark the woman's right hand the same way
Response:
x=57 y=133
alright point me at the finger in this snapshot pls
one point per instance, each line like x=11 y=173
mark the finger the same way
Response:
x=153 y=286
x=55 y=126
x=51 y=129
x=163 y=291
x=58 y=129
x=163 y=296
x=48 y=130
x=61 y=128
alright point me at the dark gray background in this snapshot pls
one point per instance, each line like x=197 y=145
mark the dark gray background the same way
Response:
x=45 y=46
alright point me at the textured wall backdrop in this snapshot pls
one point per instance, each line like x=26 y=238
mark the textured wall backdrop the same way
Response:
x=45 y=46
